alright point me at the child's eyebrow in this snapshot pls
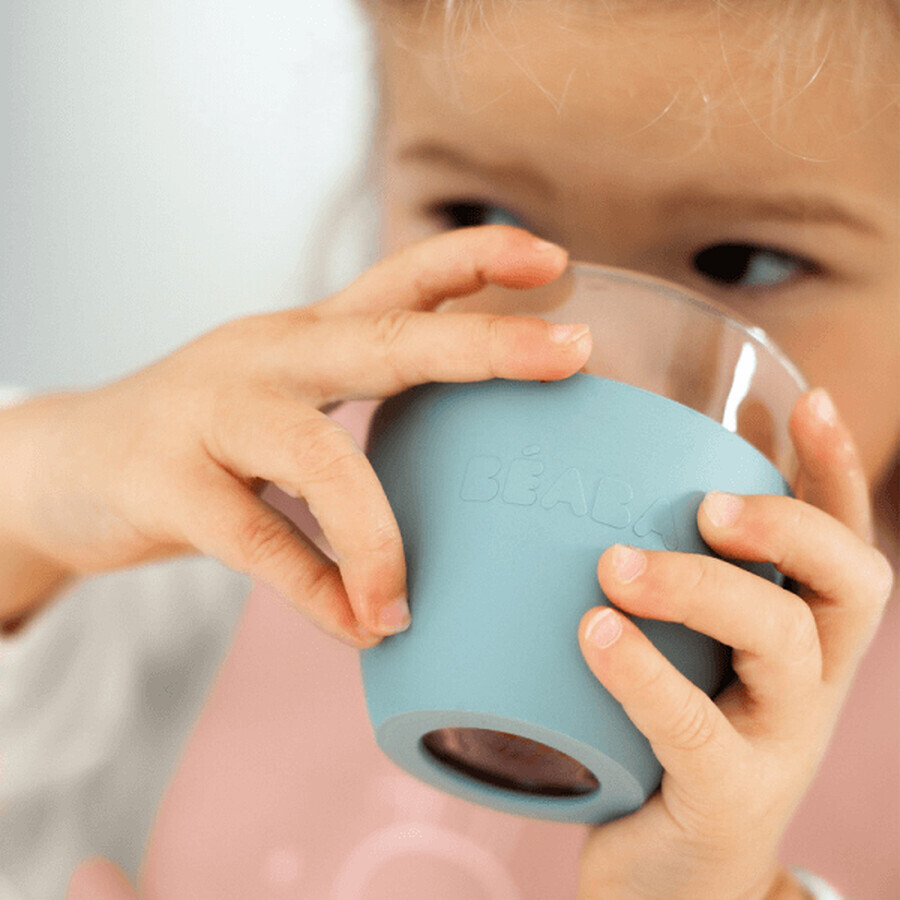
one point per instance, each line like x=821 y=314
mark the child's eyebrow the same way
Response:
x=800 y=208
x=441 y=154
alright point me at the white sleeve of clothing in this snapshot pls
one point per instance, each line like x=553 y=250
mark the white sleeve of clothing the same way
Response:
x=818 y=887
x=98 y=693
x=10 y=394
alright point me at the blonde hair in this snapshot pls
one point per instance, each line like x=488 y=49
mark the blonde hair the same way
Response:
x=788 y=43
x=800 y=32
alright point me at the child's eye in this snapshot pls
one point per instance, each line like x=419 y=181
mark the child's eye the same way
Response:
x=463 y=214
x=733 y=265
x=749 y=265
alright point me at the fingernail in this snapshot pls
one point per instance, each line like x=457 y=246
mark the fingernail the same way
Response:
x=723 y=510
x=821 y=404
x=568 y=334
x=604 y=629
x=395 y=617
x=628 y=563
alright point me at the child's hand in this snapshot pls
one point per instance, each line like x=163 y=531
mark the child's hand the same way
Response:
x=736 y=769
x=170 y=459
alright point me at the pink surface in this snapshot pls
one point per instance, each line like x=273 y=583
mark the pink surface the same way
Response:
x=282 y=791
x=848 y=827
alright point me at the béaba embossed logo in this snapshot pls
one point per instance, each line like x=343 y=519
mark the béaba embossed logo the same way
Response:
x=524 y=483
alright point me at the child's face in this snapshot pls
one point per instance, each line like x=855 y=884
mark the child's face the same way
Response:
x=641 y=135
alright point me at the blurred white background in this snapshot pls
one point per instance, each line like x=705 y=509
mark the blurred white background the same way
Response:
x=165 y=166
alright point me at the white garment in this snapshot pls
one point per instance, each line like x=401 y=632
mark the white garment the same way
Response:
x=818 y=887
x=98 y=694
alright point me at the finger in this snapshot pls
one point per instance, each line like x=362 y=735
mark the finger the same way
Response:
x=689 y=734
x=97 y=878
x=311 y=456
x=773 y=632
x=848 y=580
x=831 y=471
x=451 y=264
x=227 y=521
x=381 y=355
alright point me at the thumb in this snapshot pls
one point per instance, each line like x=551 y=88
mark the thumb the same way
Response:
x=97 y=878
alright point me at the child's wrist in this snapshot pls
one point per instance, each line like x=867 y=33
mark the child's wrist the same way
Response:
x=29 y=576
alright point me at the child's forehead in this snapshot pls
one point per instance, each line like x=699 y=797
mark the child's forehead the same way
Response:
x=678 y=85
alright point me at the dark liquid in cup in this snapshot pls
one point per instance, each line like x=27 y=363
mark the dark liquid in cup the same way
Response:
x=510 y=761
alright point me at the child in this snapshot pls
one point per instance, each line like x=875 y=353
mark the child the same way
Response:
x=749 y=152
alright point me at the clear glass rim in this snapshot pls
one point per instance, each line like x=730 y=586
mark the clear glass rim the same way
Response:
x=703 y=304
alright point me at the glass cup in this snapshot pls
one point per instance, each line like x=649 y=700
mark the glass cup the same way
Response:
x=508 y=492
x=658 y=336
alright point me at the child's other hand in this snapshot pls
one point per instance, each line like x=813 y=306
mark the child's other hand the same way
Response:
x=736 y=768
x=171 y=459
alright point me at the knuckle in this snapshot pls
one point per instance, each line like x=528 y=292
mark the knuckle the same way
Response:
x=491 y=333
x=705 y=581
x=323 y=581
x=800 y=634
x=494 y=328
x=652 y=681
x=261 y=538
x=692 y=727
x=390 y=327
x=322 y=449
x=424 y=287
x=385 y=540
x=342 y=465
